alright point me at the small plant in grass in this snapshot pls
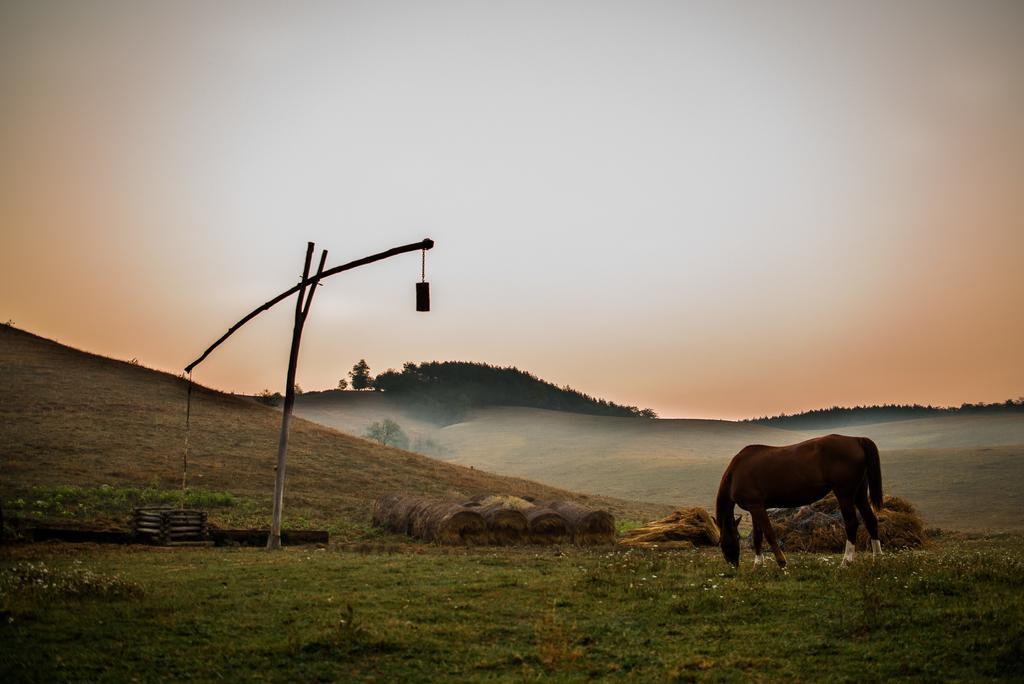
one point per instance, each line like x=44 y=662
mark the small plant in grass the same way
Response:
x=623 y=526
x=41 y=581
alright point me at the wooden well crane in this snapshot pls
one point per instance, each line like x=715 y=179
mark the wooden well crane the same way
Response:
x=305 y=290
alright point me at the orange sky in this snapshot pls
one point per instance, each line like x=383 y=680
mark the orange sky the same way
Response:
x=712 y=211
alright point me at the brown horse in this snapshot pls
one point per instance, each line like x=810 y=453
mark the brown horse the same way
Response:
x=762 y=477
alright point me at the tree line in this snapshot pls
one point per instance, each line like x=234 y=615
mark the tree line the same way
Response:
x=840 y=416
x=447 y=389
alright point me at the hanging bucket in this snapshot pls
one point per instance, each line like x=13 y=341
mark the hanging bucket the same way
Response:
x=423 y=296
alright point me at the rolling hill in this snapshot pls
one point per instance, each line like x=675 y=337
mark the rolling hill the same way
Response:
x=72 y=418
x=963 y=471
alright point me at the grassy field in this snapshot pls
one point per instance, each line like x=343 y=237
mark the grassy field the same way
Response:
x=84 y=613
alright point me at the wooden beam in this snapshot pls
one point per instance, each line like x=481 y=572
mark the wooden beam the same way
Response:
x=306 y=281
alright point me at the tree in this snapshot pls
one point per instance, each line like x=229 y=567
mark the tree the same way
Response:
x=360 y=375
x=269 y=398
x=388 y=433
x=298 y=389
x=343 y=384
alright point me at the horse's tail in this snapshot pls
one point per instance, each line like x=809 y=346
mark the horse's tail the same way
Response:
x=874 y=467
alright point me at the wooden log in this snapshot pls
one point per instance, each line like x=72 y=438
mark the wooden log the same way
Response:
x=191 y=543
x=305 y=536
x=258 y=537
x=71 y=535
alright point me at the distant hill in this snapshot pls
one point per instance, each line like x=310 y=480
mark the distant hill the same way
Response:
x=446 y=390
x=964 y=471
x=839 y=416
x=72 y=418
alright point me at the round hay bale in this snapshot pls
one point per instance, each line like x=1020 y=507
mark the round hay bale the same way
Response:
x=588 y=526
x=430 y=520
x=506 y=526
x=393 y=512
x=447 y=523
x=546 y=526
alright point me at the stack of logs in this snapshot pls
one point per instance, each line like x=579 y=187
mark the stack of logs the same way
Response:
x=169 y=525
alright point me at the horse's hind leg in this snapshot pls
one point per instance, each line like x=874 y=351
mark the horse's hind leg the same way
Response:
x=758 y=539
x=760 y=517
x=870 y=520
x=850 y=520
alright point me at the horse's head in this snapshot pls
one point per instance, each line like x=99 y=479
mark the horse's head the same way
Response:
x=729 y=536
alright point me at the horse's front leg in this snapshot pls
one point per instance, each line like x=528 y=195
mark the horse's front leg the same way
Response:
x=760 y=517
x=758 y=540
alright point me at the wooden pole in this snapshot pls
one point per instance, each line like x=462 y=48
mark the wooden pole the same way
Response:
x=274 y=539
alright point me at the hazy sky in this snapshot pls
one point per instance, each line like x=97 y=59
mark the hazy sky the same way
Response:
x=713 y=209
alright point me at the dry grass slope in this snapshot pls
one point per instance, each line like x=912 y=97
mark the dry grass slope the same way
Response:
x=69 y=417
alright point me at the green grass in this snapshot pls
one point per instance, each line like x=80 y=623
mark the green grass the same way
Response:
x=68 y=501
x=954 y=611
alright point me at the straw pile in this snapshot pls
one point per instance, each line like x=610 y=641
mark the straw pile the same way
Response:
x=682 y=529
x=437 y=521
x=587 y=526
x=819 y=527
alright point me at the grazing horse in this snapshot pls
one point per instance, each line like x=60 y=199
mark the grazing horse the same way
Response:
x=762 y=477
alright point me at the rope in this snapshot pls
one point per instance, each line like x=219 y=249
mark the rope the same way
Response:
x=423 y=267
x=188 y=422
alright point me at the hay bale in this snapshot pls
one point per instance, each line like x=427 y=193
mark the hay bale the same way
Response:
x=546 y=526
x=393 y=512
x=437 y=521
x=504 y=501
x=819 y=527
x=683 y=528
x=587 y=526
x=512 y=520
x=505 y=525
